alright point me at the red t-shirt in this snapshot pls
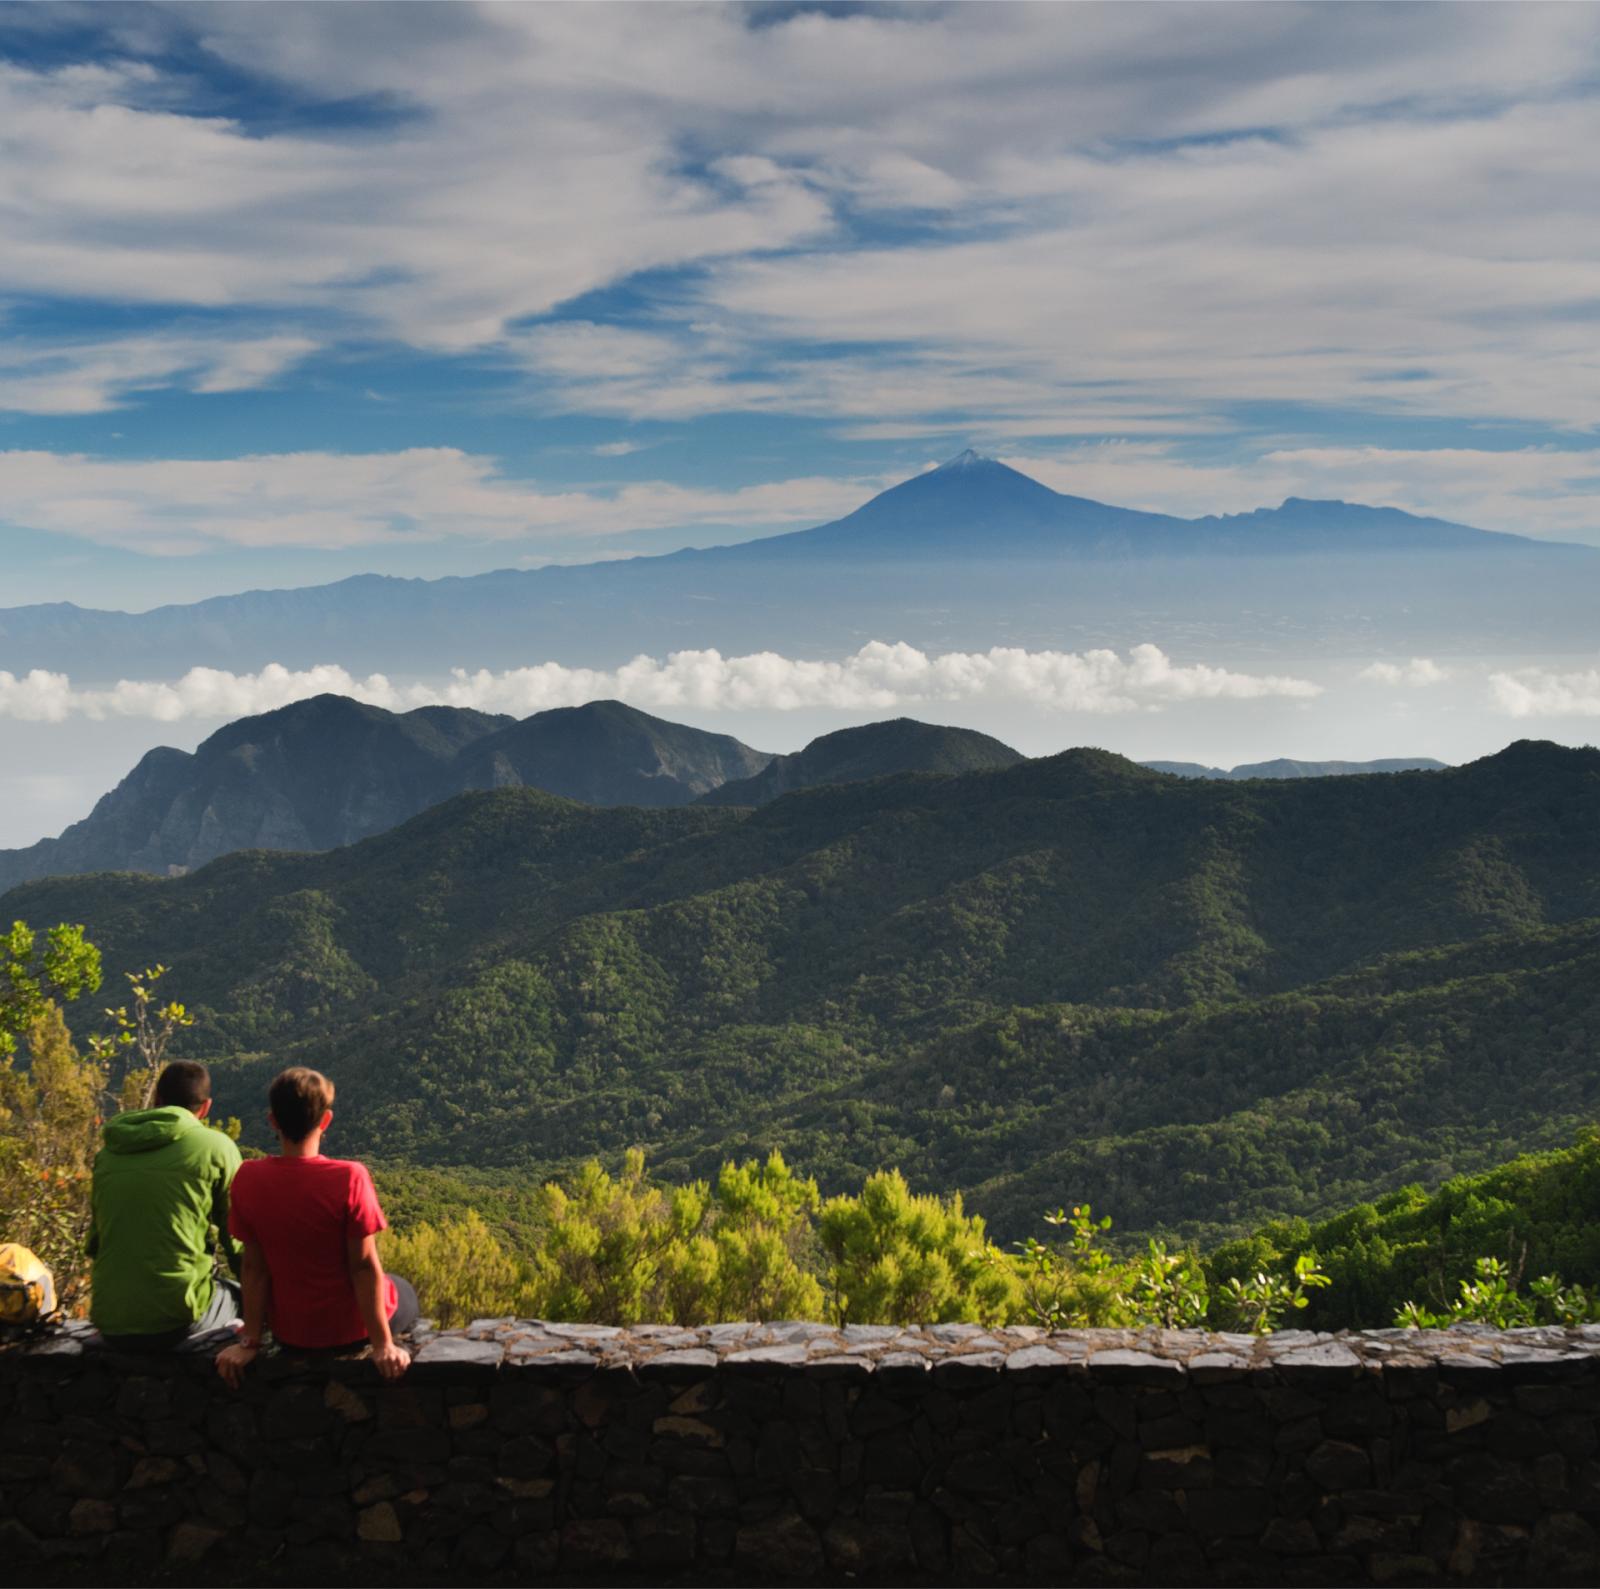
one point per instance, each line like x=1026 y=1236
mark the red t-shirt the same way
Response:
x=300 y=1212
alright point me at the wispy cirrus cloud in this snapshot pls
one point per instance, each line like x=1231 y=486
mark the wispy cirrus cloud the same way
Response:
x=878 y=677
x=89 y=377
x=439 y=231
x=1168 y=210
x=324 y=500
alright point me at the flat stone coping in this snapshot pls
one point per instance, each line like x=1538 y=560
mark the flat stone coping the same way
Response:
x=1152 y=1356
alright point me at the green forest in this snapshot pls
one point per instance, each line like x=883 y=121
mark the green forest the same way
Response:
x=1202 y=1006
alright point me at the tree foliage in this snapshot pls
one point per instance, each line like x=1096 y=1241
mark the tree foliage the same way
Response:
x=894 y=1258
x=624 y=1249
x=50 y=1117
x=1430 y=1254
x=33 y=974
x=140 y=1040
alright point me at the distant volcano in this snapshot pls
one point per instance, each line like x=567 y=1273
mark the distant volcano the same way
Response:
x=966 y=556
x=974 y=506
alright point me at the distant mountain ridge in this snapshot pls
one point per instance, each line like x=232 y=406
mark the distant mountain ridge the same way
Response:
x=331 y=771
x=974 y=506
x=877 y=750
x=957 y=557
x=1284 y=767
x=606 y=754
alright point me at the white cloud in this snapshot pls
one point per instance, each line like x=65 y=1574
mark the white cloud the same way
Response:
x=1385 y=211
x=328 y=500
x=1418 y=673
x=496 y=194
x=1397 y=267
x=878 y=677
x=90 y=377
x=1539 y=692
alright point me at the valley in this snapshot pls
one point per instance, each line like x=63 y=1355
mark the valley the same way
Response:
x=1201 y=1003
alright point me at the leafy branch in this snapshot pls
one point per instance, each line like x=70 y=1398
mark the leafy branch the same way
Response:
x=141 y=1039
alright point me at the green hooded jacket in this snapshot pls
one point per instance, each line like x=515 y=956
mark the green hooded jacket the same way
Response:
x=160 y=1185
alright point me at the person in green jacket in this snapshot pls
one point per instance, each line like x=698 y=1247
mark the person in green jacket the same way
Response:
x=160 y=1189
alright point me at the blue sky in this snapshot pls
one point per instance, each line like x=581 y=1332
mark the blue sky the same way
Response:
x=290 y=292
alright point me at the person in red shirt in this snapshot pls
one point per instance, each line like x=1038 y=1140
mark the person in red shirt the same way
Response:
x=309 y=1226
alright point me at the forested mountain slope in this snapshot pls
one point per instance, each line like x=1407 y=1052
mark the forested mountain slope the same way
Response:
x=606 y=754
x=874 y=750
x=1197 y=1003
x=1539 y=1214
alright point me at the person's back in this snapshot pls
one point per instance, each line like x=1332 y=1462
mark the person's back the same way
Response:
x=301 y=1211
x=309 y=1226
x=160 y=1186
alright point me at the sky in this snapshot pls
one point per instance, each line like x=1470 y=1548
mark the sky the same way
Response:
x=293 y=291
x=290 y=292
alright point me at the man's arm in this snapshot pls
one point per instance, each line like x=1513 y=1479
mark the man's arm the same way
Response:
x=257 y=1281
x=232 y=1250
x=368 y=1280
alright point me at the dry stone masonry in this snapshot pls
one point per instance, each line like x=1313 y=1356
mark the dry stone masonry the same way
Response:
x=516 y=1450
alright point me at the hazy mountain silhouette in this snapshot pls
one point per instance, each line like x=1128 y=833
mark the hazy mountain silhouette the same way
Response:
x=975 y=506
x=961 y=557
x=1283 y=767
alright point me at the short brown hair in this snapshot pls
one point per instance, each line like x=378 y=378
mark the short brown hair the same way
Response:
x=298 y=1098
x=184 y=1084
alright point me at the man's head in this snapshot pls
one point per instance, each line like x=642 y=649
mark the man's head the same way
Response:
x=301 y=1101
x=186 y=1085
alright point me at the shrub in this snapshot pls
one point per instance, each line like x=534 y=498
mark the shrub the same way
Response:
x=1491 y=1297
x=625 y=1250
x=49 y=1135
x=1085 y=1287
x=461 y=1270
x=893 y=1258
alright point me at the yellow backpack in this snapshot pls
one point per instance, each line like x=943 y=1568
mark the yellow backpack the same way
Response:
x=27 y=1288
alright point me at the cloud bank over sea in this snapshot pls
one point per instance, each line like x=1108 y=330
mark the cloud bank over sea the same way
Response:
x=879 y=677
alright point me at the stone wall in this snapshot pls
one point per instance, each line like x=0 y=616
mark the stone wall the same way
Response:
x=756 y=1453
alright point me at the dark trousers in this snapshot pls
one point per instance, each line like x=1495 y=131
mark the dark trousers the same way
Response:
x=226 y=1306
